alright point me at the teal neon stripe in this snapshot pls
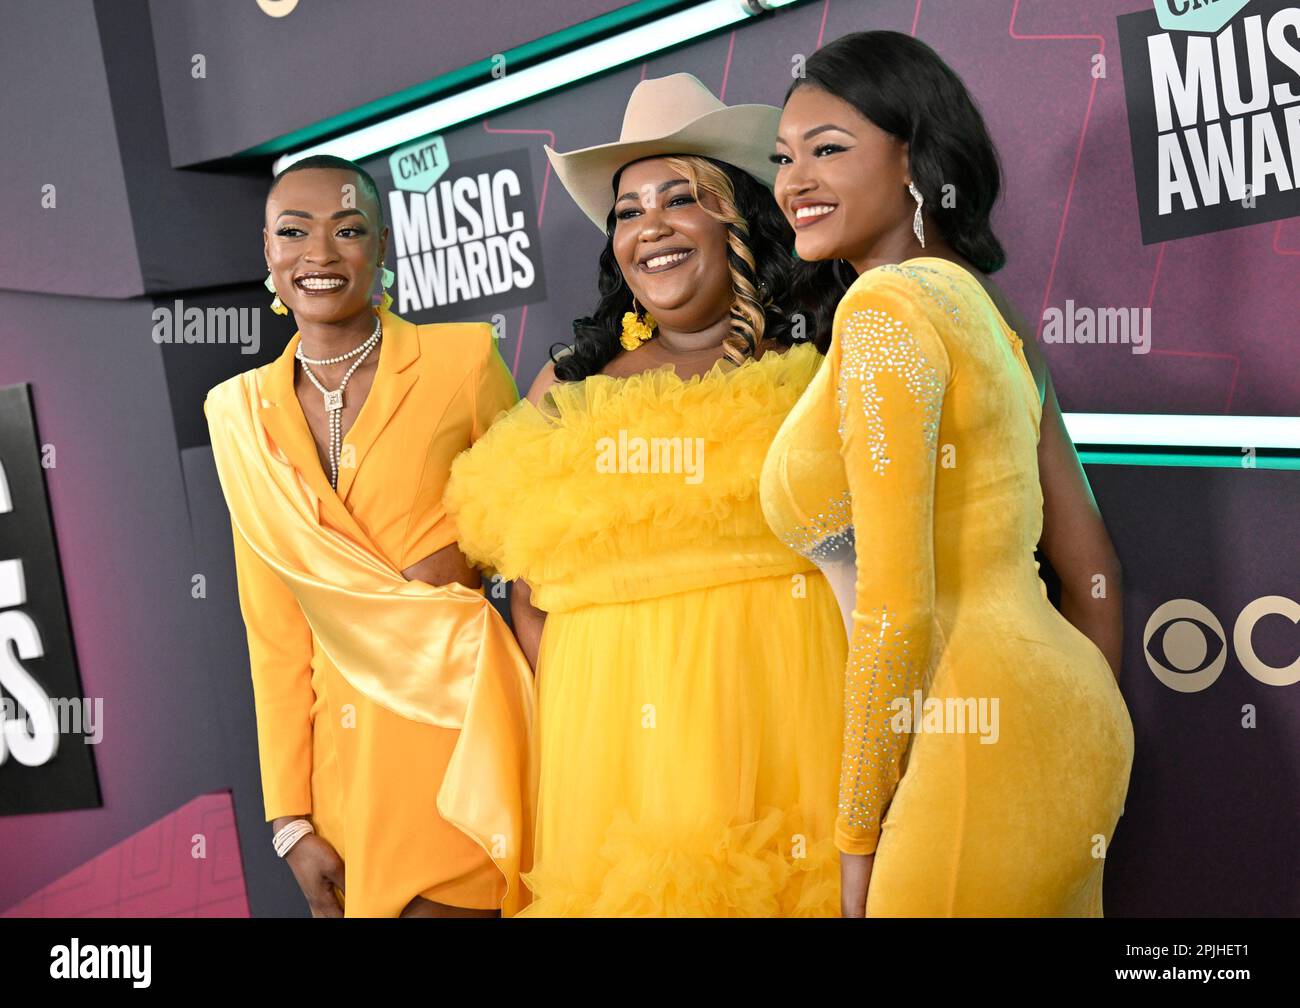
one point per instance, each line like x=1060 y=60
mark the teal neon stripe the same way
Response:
x=1186 y=459
x=474 y=73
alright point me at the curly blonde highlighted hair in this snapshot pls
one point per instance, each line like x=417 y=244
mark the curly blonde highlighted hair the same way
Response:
x=760 y=246
x=748 y=317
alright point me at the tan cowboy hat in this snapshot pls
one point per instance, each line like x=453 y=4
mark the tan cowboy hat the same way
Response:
x=670 y=115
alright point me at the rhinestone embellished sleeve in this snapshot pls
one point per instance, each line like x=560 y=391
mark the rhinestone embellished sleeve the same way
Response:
x=890 y=382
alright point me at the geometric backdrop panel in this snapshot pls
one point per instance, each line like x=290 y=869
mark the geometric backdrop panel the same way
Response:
x=186 y=864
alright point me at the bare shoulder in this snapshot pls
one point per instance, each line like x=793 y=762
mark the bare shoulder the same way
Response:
x=542 y=383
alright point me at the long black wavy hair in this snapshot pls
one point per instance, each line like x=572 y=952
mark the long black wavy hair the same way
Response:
x=759 y=254
x=906 y=89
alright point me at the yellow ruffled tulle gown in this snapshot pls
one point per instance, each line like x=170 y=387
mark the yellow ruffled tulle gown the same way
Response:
x=690 y=695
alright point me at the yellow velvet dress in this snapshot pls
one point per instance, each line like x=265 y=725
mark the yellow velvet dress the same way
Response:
x=690 y=665
x=986 y=748
x=360 y=678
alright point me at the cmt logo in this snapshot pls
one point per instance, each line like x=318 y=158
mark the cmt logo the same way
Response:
x=1186 y=647
x=1196 y=15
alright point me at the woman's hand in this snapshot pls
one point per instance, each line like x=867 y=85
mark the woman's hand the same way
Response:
x=318 y=868
x=855 y=878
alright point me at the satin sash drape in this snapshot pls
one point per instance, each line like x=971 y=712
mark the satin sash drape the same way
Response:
x=434 y=654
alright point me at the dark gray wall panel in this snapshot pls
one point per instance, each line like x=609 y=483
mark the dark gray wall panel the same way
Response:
x=269 y=76
x=192 y=369
x=57 y=128
x=272 y=891
x=117 y=497
x=192 y=228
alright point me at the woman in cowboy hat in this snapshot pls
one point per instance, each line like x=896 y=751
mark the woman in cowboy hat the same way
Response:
x=689 y=664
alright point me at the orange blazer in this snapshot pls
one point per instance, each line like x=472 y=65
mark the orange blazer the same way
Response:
x=364 y=750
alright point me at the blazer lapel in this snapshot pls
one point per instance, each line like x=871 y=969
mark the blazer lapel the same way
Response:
x=399 y=349
x=282 y=416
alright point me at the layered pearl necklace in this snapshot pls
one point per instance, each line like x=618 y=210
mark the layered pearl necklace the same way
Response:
x=334 y=398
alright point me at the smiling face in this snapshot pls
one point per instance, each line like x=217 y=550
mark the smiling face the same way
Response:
x=672 y=254
x=841 y=180
x=321 y=252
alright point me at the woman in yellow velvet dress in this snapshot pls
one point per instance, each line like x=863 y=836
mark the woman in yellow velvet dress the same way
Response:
x=987 y=747
x=393 y=706
x=689 y=676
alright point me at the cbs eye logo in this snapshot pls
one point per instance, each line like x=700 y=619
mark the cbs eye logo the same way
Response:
x=1186 y=647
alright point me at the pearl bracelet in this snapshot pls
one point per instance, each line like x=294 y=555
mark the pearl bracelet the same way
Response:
x=289 y=834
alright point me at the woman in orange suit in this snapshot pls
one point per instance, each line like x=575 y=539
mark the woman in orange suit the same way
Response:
x=393 y=707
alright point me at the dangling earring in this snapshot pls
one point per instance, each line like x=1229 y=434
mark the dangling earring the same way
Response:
x=381 y=298
x=636 y=330
x=918 y=227
x=277 y=305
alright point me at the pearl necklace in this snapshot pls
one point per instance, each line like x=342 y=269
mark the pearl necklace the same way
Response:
x=341 y=357
x=334 y=398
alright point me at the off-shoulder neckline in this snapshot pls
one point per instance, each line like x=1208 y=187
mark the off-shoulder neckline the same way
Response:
x=717 y=370
x=666 y=373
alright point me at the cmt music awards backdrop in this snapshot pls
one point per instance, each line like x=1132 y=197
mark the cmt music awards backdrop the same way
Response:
x=1150 y=211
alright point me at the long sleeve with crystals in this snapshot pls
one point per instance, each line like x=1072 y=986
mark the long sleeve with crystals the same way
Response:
x=890 y=373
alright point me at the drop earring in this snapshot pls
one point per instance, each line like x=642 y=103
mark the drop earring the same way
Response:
x=277 y=305
x=918 y=226
x=636 y=328
x=384 y=279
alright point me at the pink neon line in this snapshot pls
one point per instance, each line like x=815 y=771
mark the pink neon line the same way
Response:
x=1012 y=30
x=1196 y=353
x=916 y=17
x=726 y=67
x=1277 y=237
x=1236 y=367
x=1234 y=358
x=821 y=32
x=1078 y=153
x=1232 y=389
x=519 y=343
x=541 y=212
x=546 y=176
x=1160 y=258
